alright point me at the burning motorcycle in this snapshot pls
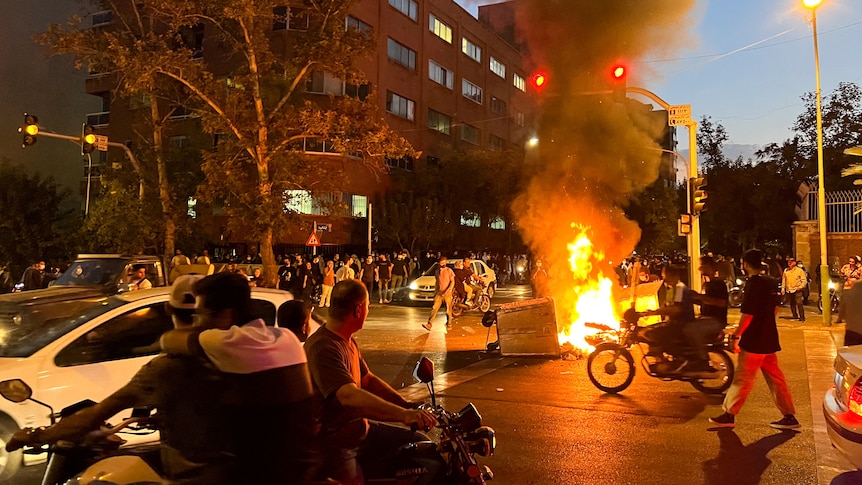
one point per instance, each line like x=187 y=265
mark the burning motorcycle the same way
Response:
x=480 y=300
x=611 y=366
x=98 y=458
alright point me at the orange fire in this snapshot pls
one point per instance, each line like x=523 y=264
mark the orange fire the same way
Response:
x=591 y=297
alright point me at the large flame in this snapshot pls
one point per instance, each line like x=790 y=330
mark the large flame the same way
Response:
x=591 y=297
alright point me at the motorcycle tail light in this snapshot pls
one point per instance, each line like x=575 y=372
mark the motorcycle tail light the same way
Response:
x=467 y=418
x=854 y=400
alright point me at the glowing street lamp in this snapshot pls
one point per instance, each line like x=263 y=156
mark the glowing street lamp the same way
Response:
x=821 y=190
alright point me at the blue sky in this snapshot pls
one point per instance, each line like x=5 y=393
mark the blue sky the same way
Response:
x=752 y=60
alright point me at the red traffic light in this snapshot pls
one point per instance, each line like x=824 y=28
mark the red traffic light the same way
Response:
x=539 y=80
x=618 y=71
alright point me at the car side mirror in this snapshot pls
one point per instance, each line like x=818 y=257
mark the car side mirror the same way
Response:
x=15 y=390
x=424 y=370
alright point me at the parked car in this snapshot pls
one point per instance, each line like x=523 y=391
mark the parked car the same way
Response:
x=83 y=348
x=422 y=289
x=842 y=405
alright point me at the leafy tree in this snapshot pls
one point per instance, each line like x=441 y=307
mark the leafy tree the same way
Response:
x=654 y=209
x=34 y=224
x=405 y=220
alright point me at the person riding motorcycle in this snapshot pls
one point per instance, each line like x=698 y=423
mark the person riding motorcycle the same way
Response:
x=472 y=283
x=461 y=276
x=355 y=404
x=185 y=391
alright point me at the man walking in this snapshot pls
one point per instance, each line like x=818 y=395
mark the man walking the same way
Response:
x=445 y=288
x=793 y=281
x=756 y=339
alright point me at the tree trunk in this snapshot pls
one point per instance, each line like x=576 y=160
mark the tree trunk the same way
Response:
x=267 y=255
x=164 y=185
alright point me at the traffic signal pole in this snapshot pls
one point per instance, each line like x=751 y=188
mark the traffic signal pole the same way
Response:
x=693 y=239
x=128 y=152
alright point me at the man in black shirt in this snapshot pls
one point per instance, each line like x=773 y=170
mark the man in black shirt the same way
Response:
x=756 y=340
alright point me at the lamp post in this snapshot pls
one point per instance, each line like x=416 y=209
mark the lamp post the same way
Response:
x=821 y=191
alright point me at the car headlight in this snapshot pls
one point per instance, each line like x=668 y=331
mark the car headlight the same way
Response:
x=738 y=282
x=482 y=441
x=413 y=286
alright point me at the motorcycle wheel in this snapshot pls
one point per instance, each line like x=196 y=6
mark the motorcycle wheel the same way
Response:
x=484 y=303
x=611 y=368
x=492 y=290
x=9 y=462
x=720 y=360
x=734 y=298
x=457 y=307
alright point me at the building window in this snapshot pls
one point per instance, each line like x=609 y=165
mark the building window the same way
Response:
x=359 y=91
x=498 y=67
x=470 y=219
x=498 y=106
x=470 y=134
x=407 y=7
x=518 y=117
x=471 y=91
x=104 y=17
x=358 y=205
x=355 y=23
x=439 y=28
x=495 y=143
x=498 y=223
x=438 y=121
x=400 y=106
x=472 y=50
x=519 y=82
x=404 y=163
x=432 y=161
x=321 y=82
x=402 y=54
x=290 y=18
x=440 y=74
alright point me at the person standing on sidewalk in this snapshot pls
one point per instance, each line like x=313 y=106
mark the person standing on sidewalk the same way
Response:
x=445 y=288
x=756 y=340
x=793 y=281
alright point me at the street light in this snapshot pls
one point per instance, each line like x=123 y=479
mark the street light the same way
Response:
x=821 y=190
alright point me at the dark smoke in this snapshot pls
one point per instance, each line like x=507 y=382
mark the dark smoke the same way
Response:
x=593 y=154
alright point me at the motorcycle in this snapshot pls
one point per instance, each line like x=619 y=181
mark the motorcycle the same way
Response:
x=481 y=300
x=611 y=366
x=461 y=437
x=834 y=297
x=100 y=453
x=735 y=291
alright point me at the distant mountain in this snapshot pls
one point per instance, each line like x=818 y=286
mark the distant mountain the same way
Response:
x=733 y=151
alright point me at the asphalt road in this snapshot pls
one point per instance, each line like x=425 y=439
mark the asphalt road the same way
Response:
x=554 y=427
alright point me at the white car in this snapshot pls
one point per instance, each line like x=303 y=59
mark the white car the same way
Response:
x=72 y=350
x=842 y=405
x=422 y=289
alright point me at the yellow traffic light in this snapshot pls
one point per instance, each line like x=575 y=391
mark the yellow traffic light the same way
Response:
x=88 y=140
x=29 y=130
x=697 y=191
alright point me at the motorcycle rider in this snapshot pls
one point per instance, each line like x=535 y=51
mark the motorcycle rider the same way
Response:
x=267 y=400
x=471 y=281
x=354 y=402
x=713 y=316
x=184 y=390
x=461 y=276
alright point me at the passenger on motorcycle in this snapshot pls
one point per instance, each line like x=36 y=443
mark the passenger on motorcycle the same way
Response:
x=472 y=283
x=354 y=403
x=461 y=276
x=713 y=315
x=184 y=390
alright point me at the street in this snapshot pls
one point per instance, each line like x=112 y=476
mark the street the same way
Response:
x=554 y=427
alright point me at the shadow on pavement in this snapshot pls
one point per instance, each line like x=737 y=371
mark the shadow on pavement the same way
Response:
x=742 y=464
x=848 y=478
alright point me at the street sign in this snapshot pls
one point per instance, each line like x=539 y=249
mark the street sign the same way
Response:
x=679 y=115
x=312 y=240
x=101 y=143
x=321 y=227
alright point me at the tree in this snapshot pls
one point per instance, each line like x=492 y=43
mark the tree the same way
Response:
x=405 y=220
x=654 y=209
x=34 y=224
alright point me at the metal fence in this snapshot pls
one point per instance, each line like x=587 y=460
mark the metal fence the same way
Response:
x=843 y=210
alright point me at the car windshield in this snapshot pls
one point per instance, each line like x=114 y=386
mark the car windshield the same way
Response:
x=92 y=272
x=25 y=329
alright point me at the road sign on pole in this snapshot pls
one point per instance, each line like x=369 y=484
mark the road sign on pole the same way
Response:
x=312 y=240
x=679 y=114
x=101 y=143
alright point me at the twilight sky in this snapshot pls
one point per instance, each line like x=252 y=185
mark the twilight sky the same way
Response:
x=752 y=62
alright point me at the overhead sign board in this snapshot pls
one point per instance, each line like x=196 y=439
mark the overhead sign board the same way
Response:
x=679 y=115
x=101 y=143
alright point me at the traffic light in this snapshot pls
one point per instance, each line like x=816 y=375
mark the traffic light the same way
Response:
x=88 y=139
x=619 y=72
x=29 y=130
x=539 y=81
x=697 y=192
